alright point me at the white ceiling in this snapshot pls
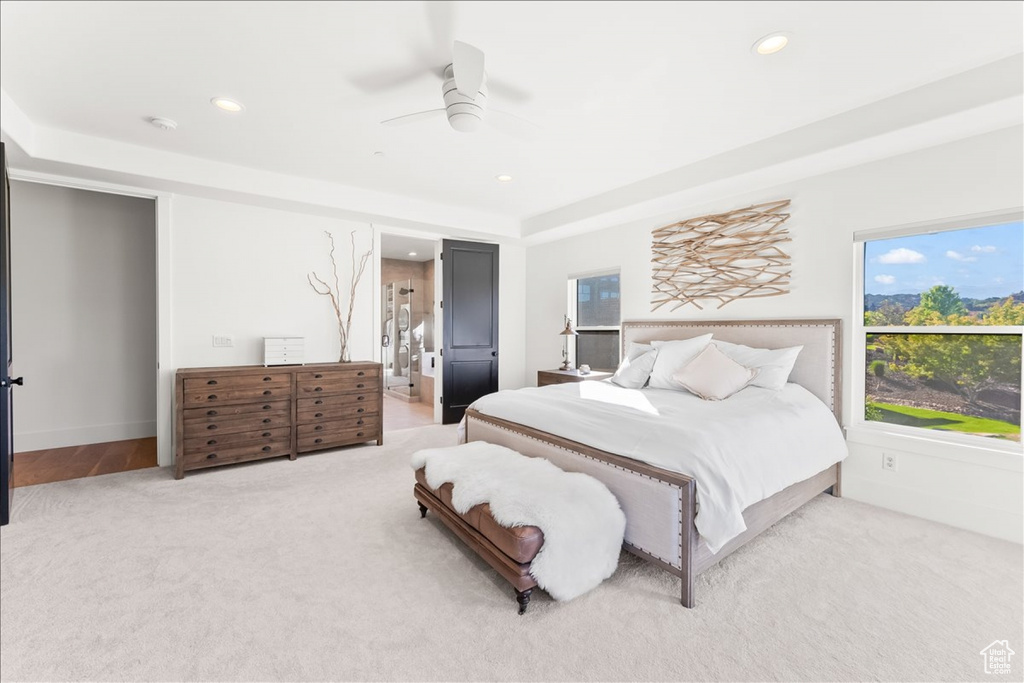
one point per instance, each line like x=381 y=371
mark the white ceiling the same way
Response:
x=623 y=90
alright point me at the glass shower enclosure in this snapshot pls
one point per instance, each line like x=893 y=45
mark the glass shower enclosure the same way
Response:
x=402 y=338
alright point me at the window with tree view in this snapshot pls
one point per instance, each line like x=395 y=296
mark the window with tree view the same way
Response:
x=943 y=316
x=594 y=308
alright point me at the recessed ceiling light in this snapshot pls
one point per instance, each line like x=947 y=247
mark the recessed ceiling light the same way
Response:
x=503 y=178
x=227 y=104
x=162 y=123
x=771 y=43
x=412 y=253
x=377 y=154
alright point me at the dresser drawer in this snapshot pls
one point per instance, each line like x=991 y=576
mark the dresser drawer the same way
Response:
x=233 y=425
x=320 y=441
x=215 y=441
x=368 y=423
x=334 y=409
x=212 y=395
x=358 y=400
x=315 y=376
x=223 y=456
x=208 y=414
x=199 y=384
x=339 y=386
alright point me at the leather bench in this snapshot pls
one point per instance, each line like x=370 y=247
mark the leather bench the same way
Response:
x=509 y=551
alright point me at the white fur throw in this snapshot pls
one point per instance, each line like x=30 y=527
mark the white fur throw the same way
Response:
x=581 y=519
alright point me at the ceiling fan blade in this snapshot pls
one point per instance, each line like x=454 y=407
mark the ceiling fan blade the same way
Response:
x=468 y=68
x=412 y=118
x=513 y=125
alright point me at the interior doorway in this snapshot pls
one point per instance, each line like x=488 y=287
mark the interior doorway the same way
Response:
x=84 y=332
x=407 y=336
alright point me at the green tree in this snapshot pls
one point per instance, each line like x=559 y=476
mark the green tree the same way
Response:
x=887 y=314
x=967 y=362
x=1005 y=313
x=940 y=305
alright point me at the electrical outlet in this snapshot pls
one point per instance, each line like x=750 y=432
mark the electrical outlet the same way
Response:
x=223 y=340
x=889 y=462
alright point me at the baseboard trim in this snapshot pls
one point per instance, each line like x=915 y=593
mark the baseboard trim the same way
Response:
x=78 y=436
x=962 y=514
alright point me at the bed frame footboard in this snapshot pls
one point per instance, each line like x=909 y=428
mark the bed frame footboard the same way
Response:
x=660 y=506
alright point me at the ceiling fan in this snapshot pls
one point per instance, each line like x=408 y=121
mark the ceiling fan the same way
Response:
x=464 y=90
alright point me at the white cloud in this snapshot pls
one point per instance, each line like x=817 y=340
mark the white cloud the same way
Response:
x=957 y=256
x=983 y=250
x=885 y=279
x=902 y=256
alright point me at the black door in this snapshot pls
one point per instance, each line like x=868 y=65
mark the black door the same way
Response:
x=469 y=301
x=6 y=383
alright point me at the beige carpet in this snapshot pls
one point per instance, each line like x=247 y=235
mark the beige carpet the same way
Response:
x=321 y=569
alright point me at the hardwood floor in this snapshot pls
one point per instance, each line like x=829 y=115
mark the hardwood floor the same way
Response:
x=73 y=462
x=401 y=415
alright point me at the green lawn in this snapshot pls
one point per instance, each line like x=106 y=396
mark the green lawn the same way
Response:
x=954 y=422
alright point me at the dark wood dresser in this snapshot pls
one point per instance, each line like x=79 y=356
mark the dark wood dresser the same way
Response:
x=236 y=414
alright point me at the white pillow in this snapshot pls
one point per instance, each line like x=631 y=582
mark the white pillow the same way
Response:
x=633 y=374
x=774 y=365
x=672 y=356
x=714 y=376
x=636 y=350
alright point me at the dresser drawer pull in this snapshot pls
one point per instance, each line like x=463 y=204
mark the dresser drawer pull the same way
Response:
x=319 y=415
x=211 y=442
x=318 y=376
x=211 y=456
x=265 y=434
x=359 y=434
x=267 y=448
x=360 y=386
x=211 y=426
x=360 y=398
x=361 y=410
x=318 y=402
x=360 y=421
x=267 y=407
x=318 y=428
x=212 y=382
x=267 y=420
x=318 y=440
x=211 y=412
x=211 y=397
x=267 y=379
x=268 y=392
x=319 y=389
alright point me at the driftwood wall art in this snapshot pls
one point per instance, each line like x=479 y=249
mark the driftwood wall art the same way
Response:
x=723 y=257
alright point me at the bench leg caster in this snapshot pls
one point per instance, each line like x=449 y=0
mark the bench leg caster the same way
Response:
x=523 y=598
x=423 y=510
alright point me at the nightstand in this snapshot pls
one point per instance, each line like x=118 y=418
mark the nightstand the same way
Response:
x=545 y=377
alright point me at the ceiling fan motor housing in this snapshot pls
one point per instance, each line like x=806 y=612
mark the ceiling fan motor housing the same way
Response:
x=465 y=114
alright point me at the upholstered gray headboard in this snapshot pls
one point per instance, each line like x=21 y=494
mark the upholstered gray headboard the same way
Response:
x=818 y=367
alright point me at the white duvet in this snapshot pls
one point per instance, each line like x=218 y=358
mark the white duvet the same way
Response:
x=740 y=450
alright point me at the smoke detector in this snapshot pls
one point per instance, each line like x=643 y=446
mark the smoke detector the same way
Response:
x=162 y=123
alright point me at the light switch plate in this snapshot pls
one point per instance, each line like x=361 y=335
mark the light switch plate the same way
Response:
x=223 y=340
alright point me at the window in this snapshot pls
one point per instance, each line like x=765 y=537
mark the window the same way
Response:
x=594 y=310
x=943 y=316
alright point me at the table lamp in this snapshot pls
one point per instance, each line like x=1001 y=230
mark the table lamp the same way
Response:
x=566 y=333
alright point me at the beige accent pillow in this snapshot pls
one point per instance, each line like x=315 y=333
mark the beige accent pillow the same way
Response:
x=672 y=357
x=714 y=376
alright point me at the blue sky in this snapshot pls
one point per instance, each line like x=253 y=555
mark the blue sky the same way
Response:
x=978 y=262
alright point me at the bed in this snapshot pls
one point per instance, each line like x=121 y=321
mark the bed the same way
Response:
x=661 y=505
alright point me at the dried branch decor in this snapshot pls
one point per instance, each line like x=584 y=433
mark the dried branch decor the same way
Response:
x=324 y=289
x=723 y=257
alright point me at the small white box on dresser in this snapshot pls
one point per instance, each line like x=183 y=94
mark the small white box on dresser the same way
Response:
x=284 y=350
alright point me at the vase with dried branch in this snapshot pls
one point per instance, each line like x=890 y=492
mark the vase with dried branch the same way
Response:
x=323 y=289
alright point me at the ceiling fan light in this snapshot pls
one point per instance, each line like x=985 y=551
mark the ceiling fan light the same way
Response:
x=464 y=122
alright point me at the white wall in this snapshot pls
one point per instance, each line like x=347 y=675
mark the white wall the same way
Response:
x=84 y=316
x=974 y=175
